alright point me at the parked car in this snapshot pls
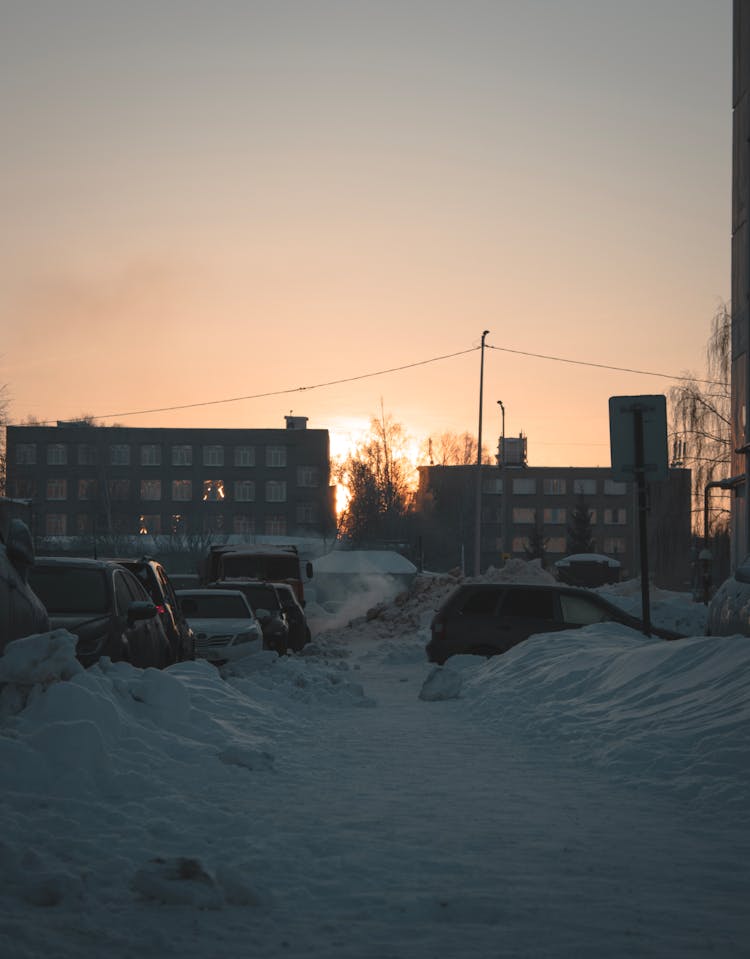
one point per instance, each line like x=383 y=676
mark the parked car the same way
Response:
x=299 y=631
x=490 y=618
x=153 y=577
x=265 y=603
x=105 y=606
x=225 y=626
x=22 y=613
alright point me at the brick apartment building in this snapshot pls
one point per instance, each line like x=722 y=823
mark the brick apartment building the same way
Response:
x=84 y=479
x=517 y=501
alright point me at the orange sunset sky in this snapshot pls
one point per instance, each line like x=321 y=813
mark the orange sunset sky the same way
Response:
x=204 y=201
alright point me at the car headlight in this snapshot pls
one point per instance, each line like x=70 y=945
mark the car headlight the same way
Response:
x=244 y=638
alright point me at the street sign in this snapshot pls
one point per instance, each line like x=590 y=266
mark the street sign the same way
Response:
x=638 y=430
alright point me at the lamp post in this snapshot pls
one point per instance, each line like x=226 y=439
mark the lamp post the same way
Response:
x=502 y=436
x=478 y=515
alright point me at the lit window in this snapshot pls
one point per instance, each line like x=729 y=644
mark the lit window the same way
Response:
x=556 y=544
x=524 y=514
x=556 y=515
x=213 y=491
x=150 y=524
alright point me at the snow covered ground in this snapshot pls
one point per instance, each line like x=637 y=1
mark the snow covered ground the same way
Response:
x=586 y=794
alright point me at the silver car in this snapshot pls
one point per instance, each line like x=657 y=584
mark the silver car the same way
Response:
x=225 y=626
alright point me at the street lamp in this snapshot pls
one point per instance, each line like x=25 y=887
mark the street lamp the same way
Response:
x=501 y=458
x=478 y=516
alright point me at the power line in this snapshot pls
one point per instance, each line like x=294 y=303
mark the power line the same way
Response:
x=604 y=366
x=295 y=389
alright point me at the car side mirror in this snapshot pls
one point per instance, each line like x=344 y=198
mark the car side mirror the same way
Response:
x=140 y=609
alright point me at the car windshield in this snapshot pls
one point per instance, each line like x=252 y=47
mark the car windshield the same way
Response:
x=261 y=597
x=216 y=605
x=70 y=590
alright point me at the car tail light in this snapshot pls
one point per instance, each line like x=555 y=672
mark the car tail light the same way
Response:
x=161 y=609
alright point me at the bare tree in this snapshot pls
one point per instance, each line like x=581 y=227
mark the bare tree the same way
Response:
x=455 y=449
x=4 y=403
x=701 y=431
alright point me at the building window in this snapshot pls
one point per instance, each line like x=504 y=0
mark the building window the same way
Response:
x=492 y=514
x=276 y=491
x=585 y=487
x=57 y=454
x=150 y=454
x=182 y=456
x=57 y=488
x=84 y=524
x=26 y=454
x=119 y=454
x=182 y=490
x=556 y=544
x=306 y=514
x=150 y=524
x=150 y=489
x=308 y=476
x=614 y=545
x=244 y=456
x=244 y=491
x=524 y=487
x=520 y=543
x=616 y=517
x=86 y=454
x=213 y=524
x=86 y=489
x=242 y=523
x=213 y=455
x=614 y=487
x=554 y=487
x=556 y=516
x=524 y=514
x=492 y=484
x=276 y=525
x=56 y=524
x=276 y=456
x=213 y=491
x=119 y=489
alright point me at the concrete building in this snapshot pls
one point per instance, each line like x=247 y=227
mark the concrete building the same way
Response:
x=519 y=503
x=741 y=282
x=84 y=480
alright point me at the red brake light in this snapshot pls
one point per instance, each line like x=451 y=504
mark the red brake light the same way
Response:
x=160 y=609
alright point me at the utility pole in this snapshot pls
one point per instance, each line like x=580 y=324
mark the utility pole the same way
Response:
x=478 y=516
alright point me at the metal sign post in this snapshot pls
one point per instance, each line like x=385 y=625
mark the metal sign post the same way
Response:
x=638 y=443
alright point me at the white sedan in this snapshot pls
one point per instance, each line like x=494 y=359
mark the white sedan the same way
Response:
x=225 y=626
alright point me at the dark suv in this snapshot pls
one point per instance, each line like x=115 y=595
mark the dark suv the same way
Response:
x=155 y=581
x=490 y=618
x=265 y=603
x=105 y=606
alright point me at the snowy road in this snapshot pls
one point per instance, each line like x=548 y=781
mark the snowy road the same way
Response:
x=585 y=795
